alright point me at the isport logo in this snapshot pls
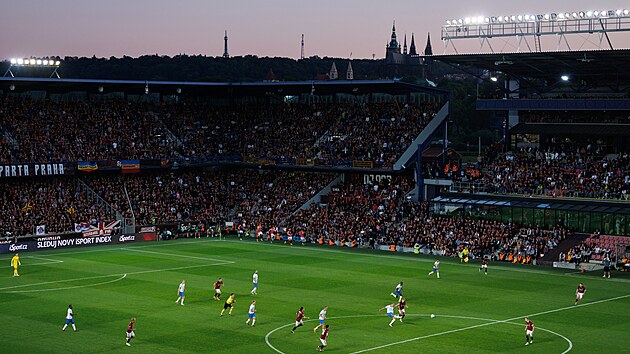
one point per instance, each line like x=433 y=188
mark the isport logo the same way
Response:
x=126 y=238
x=18 y=247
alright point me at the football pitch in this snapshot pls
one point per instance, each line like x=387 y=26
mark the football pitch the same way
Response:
x=474 y=313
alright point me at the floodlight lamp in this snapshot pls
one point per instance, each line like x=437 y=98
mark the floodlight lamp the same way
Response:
x=513 y=18
x=553 y=16
x=467 y=20
x=493 y=19
x=618 y=12
x=13 y=61
x=480 y=19
x=527 y=17
x=45 y=62
x=39 y=62
x=581 y=14
x=57 y=63
x=574 y=14
x=494 y=79
x=486 y=20
x=626 y=12
x=567 y=15
x=564 y=78
x=561 y=16
x=589 y=13
x=100 y=89
x=460 y=21
x=519 y=18
x=20 y=61
x=602 y=14
x=179 y=90
x=448 y=22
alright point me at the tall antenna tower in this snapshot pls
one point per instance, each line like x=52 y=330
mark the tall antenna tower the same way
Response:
x=302 y=49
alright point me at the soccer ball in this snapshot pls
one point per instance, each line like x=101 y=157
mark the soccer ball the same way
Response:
x=432 y=315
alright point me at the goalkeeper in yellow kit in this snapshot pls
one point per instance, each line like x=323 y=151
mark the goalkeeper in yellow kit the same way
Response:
x=15 y=262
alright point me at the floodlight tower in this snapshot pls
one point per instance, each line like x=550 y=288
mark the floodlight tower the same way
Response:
x=302 y=48
x=524 y=26
x=33 y=63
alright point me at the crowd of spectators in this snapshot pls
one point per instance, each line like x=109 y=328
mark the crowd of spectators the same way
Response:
x=56 y=203
x=379 y=214
x=37 y=131
x=572 y=171
x=46 y=131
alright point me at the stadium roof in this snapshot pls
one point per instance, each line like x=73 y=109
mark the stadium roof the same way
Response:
x=288 y=88
x=584 y=129
x=604 y=68
x=572 y=204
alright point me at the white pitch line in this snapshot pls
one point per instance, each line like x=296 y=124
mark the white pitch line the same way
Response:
x=117 y=274
x=172 y=254
x=491 y=323
x=68 y=287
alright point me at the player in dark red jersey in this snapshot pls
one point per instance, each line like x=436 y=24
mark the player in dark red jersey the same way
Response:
x=298 y=320
x=322 y=338
x=579 y=293
x=217 y=289
x=402 y=304
x=529 y=331
x=484 y=266
x=130 y=334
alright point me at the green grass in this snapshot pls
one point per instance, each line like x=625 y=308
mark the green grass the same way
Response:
x=353 y=283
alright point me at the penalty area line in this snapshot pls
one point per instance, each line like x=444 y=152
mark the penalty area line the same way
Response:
x=68 y=287
x=114 y=275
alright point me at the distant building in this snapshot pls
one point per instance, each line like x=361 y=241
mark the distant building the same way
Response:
x=225 y=46
x=333 y=74
x=394 y=55
x=401 y=61
x=349 y=72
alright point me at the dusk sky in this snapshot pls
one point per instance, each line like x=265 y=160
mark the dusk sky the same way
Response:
x=265 y=28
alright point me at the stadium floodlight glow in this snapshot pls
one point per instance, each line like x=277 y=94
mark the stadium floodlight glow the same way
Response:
x=467 y=20
x=564 y=78
x=618 y=12
x=494 y=79
x=34 y=62
x=589 y=13
x=626 y=12
x=581 y=14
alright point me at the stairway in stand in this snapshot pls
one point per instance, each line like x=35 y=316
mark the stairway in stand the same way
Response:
x=564 y=246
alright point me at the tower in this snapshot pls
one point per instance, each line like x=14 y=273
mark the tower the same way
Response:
x=302 y=48
x=225 y=46
x=393 y=46
x=412 y=48
x=405 y=45
x=428 y=50
x=333 y=74
x=349 y=72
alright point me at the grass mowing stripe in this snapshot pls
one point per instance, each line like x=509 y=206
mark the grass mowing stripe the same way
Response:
x=175 y=255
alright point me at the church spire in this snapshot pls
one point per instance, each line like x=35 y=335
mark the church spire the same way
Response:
x=405 y=45
x=428 y=50
x=225 y=46
x=349 y=72
x=393 y=42
x=412 y=48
